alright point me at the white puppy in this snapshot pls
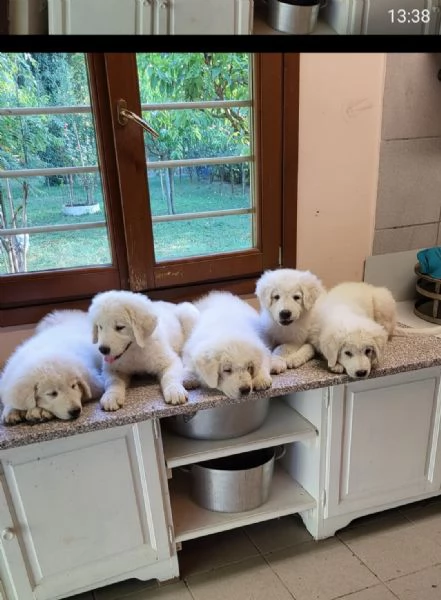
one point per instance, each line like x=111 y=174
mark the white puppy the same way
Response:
x=351 y=325
x=50 y=374
x=286 y=298
x=224 y=350
x=136 y=335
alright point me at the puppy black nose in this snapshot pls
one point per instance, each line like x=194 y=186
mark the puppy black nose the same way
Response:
x=104 y=349
x=361 y=373
x=75 y=413
x=244 y=390
x=285 y=314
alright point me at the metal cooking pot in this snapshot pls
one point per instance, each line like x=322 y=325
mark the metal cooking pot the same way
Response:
x=234 y=483
x=221 y=422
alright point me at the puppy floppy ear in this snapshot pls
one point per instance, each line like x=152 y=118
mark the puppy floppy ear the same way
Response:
x=207 y=366
x=379 y=344
x=263 y=290
x=25 y=394
x=311 y=290
x=143 y=324
x=330 y=347
x=85 y=389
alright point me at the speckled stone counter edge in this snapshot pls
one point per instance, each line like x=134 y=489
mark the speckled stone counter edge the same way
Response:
x=144 y=399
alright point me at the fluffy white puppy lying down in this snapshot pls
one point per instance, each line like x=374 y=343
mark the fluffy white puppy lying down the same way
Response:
x=224 y=350
x=351 y=325
x=136 y=335
x=50 y=374
x=286 y=298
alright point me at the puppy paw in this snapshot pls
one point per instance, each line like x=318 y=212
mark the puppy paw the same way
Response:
x=293 y=362
x=112 y=401
x=13 y=416
x=190 y=381
x=262 y=382
x=337 y=369
x=278 y=364
x=175 y=394
x=38 y=415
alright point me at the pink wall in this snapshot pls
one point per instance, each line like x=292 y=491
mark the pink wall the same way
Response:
x=341 y=97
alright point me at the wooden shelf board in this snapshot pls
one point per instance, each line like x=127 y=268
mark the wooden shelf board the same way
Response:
x=283 y=425
x=191 y=521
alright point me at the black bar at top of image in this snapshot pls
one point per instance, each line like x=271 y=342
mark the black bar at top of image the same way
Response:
x=220 y=43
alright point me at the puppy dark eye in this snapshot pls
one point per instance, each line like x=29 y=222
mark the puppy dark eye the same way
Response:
x=297 y=297
x=276 y=297
x=368 y=351
x=53 y=394
x=348 y=353
x=74 y=385
x=119 y=327
x=227 y=370
x=100 y=327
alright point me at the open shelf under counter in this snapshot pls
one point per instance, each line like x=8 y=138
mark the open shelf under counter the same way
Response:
x=283 y=425
x=191 y=521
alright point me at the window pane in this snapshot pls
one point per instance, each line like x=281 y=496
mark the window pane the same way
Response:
x=191 y=135
x=47 y=128
x=195 y=237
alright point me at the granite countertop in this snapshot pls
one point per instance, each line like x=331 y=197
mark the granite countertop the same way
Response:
x=144 y=400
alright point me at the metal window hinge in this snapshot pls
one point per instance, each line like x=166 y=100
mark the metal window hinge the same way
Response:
x=280 y=256
x=327 y=397
x=156 y=428
x=323 y=499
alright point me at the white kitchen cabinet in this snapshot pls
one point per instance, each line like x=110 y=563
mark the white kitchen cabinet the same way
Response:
x=150 y=17
x=383 y=444
x=83 y=512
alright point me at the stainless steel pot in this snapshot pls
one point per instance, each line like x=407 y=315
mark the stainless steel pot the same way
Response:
x=293 y=16
x=234 y=483
x=221 y=422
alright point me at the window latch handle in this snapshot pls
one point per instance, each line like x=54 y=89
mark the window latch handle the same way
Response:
x=124 y=115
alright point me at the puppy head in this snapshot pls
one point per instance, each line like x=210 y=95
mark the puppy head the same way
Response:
x=120 y=318
x=357 y=351
x=287 y=293
x=230 y=369
x=57 y=388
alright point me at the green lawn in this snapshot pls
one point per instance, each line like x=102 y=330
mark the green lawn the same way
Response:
x=172 y=240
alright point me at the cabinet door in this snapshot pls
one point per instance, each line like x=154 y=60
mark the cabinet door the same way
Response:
x=383 y=441
x=100 y=16
x=86 y=508
x=204 y=16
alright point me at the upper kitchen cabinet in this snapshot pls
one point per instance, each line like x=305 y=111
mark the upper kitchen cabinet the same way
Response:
x=130 y=17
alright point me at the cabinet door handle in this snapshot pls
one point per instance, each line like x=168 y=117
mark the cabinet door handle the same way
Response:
x=8 y=534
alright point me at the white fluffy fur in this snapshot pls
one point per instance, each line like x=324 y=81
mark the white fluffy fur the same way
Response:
x=225 y=350
x=286 y=298
x=352 y=324
x=140 y=336
x=51 y=373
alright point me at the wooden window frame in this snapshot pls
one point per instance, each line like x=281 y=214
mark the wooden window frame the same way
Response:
x=25 y=298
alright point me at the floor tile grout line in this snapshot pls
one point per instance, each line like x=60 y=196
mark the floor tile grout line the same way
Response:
x=278 y=577
x=360 y=559
x=188 y=589
x=438 y=564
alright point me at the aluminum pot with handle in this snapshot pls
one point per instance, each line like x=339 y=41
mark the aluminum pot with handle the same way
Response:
x=234 y=483
x=221 y=422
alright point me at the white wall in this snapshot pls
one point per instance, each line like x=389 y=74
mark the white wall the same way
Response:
x=341 y=98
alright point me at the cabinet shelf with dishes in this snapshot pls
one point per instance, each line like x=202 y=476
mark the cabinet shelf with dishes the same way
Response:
x=283 y=426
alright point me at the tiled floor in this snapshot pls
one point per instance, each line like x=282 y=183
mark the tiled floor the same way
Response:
x=396 y=554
